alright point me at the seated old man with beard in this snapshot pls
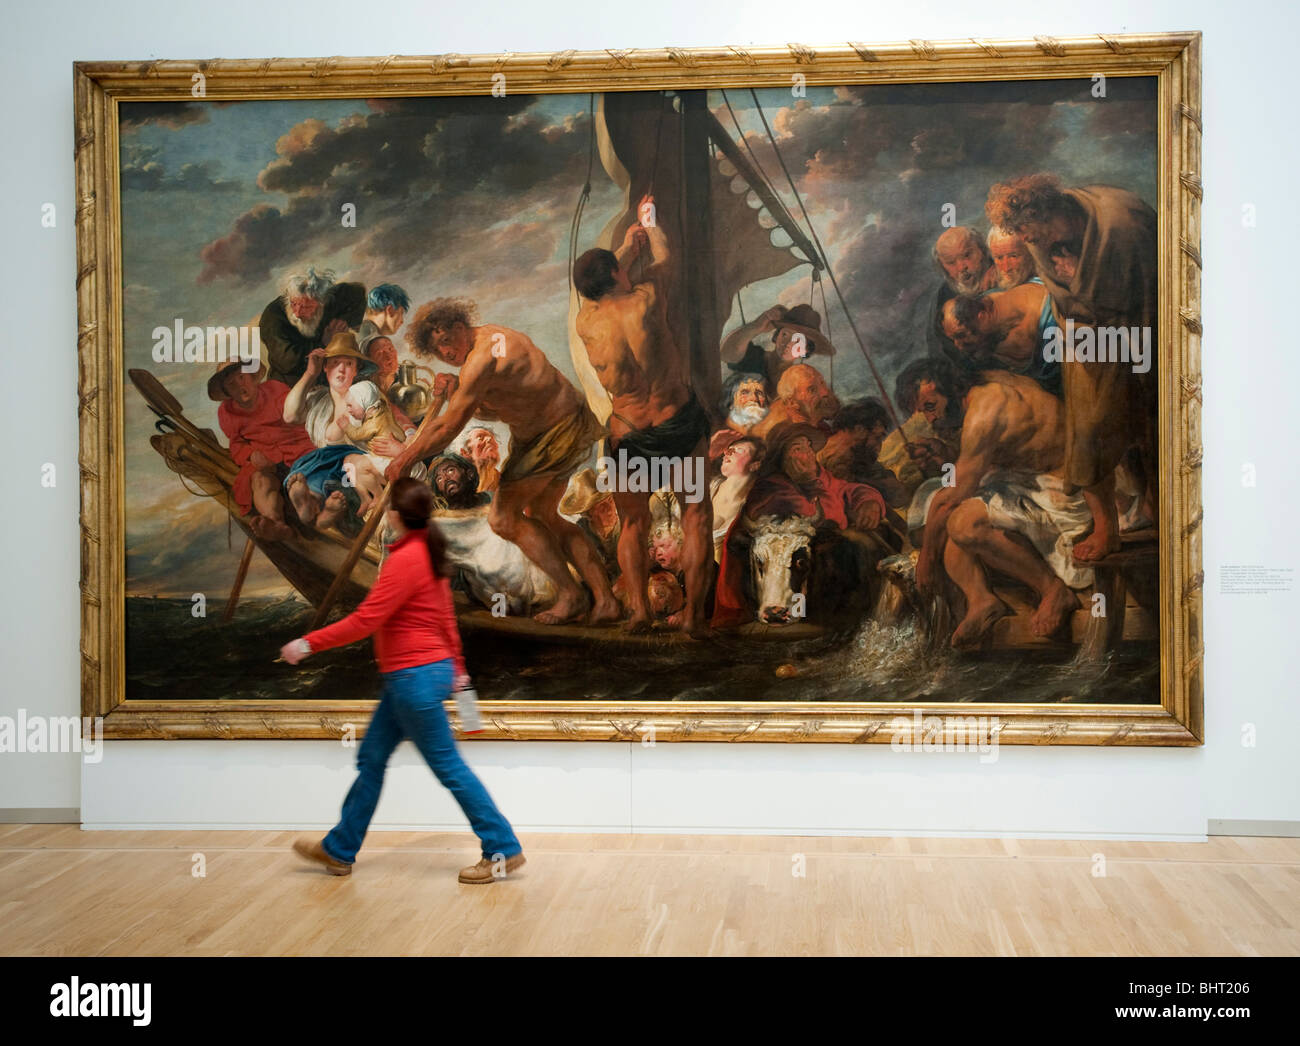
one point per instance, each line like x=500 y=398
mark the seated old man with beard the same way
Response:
x=1006 y=509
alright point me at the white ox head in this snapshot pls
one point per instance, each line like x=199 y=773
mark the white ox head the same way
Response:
x=781 y=555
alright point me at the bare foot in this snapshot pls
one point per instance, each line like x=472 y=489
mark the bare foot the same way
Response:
x=565 y=609
x=638 y=624
x=980 y=617
x=605 y=610
x=697 y=628
x=270 y=529
x=1054 y=610
x=333 y=510
x=1097 y=545
x=304 y=502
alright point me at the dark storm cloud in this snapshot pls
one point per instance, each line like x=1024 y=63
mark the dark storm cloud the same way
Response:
x=428 y=177
x=173 y=115
x=878 y=165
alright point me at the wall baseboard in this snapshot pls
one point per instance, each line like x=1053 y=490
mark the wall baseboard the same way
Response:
x=40 y=815
x=1275 y=829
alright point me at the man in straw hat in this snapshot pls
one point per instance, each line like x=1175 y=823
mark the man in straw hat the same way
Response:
x=251 y=414
x=796 y=335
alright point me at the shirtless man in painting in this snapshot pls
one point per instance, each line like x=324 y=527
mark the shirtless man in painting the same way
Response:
x=1095 y=248
x=505 y=377
x=1008 y=327
x=656 y=414
x=1007 y=509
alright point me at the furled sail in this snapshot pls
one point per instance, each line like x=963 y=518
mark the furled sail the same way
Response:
x=725 y=229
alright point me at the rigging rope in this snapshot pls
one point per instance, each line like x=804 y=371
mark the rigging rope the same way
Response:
x=654 y=171
x=880 y=382
x=830 y=360
x=576 y=224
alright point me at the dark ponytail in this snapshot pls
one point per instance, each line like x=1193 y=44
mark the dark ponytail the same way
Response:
x=413 y=502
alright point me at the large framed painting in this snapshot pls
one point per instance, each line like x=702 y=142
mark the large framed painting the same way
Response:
x=835 y=394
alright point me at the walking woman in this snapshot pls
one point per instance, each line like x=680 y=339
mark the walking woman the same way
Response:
x=417 y=644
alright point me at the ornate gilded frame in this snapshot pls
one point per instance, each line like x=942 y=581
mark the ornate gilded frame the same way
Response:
x=1173 y=58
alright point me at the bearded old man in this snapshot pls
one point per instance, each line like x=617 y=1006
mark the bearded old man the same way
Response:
x=745 y=401
x=310 y=310
x=1011 y=258
x=481 y=447
x=1095 y=250
x=966 y=266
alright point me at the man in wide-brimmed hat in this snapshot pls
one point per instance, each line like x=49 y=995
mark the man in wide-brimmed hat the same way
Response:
x=796 y=335
x=251 y=414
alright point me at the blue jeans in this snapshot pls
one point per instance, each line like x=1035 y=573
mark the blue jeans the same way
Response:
x=411 y=706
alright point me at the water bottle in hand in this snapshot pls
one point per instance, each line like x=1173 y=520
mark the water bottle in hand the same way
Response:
x=471 y=722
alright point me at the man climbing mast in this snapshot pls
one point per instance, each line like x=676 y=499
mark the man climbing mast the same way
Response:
x=656 y=414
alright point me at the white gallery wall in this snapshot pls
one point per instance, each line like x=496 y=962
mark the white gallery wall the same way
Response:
x=1251 y=369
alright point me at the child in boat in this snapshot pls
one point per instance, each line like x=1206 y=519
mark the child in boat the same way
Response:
x=372 y=416
x=251 y=414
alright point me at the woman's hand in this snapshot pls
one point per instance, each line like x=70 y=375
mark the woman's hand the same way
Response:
x=315 y=363
x=295 y=651
x=463 y=682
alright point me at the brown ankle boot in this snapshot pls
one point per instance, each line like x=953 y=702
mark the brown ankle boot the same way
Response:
x=313 y=851
x=489 y=871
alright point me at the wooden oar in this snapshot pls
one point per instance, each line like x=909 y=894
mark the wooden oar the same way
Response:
x=358 y=546
x=162 y=401
x=240 y=574
x=350 y=560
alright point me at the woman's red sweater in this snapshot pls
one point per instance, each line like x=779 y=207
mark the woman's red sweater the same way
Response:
x=409 y=611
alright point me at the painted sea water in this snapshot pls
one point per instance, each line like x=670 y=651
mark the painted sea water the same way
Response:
x=173 y=655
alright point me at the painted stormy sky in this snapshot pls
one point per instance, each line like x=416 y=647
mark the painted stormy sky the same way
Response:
x=474 y=197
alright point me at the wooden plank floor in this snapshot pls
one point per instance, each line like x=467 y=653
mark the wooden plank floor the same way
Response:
x=73 y=893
